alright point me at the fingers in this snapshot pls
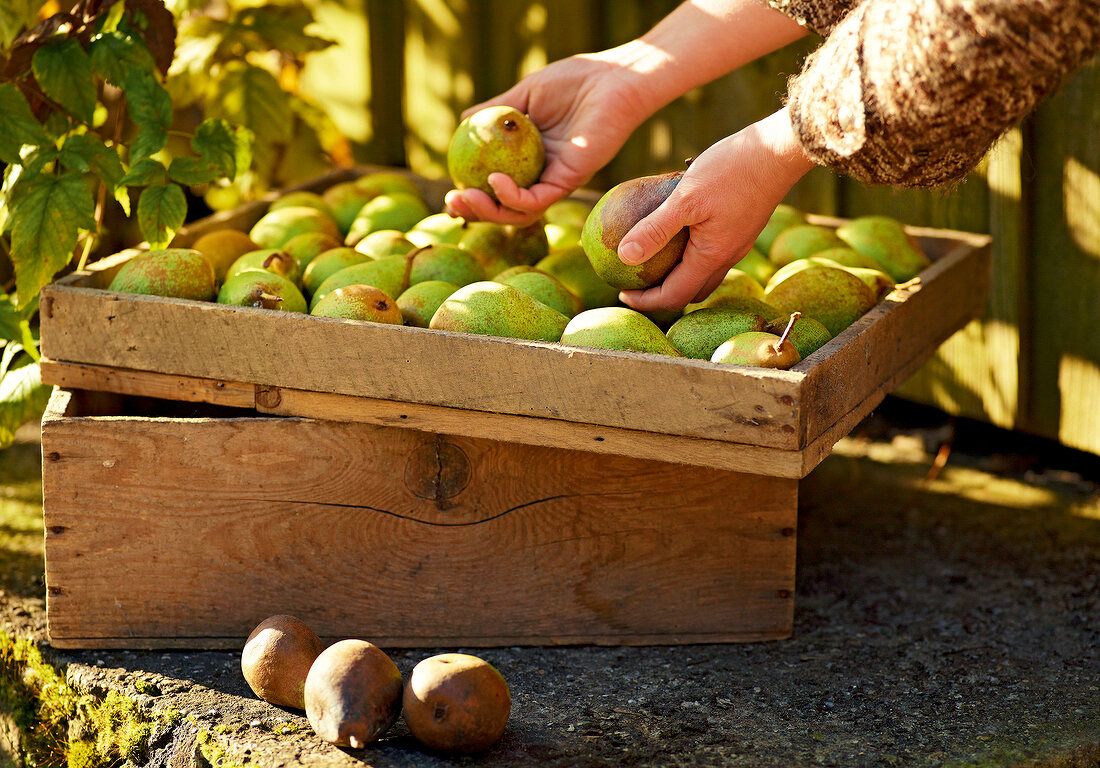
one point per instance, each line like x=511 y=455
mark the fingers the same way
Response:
x=652 y=233
x=692 y=279
x=516 y=205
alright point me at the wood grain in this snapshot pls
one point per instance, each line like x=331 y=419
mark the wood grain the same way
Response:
x=166 y=531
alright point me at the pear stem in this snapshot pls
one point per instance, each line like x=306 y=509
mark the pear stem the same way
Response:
x=787 y=330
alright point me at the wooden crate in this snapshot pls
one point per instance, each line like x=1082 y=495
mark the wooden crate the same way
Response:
x=186 y=531
x=645 y=406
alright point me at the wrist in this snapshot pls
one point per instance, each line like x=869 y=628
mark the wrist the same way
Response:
x=784 y=146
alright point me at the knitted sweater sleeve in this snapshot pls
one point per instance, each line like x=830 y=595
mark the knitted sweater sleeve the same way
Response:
x=913 y=93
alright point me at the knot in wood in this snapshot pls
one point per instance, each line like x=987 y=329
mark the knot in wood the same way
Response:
x=437 y=471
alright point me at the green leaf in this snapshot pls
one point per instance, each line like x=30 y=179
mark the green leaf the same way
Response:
x=64 y=72
x=23 y=398
x=83 y=152
x=13 y=320
x=192 y=171
x=162 y=209
x=250 y=97
x=17 y=125
x=147 y=171
x=281 y=27
x=46 y=218
x=223 y=151
x=151 y=110
x=115 y=54
x=15 y=16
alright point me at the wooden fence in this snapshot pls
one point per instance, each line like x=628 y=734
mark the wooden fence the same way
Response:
x=1032 y=363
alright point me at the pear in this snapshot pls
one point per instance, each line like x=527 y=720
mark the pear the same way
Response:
x=345 y=199
x=420 y=301
x=614 y=214
x=276 y=659
x=618 y=328
x=391 y=274
x=568 y=211
x=393 y=210
x=800 y=241
x=359 y=302
x=495 y=309
x=260 y=288
x=222 y=247
x=497 y=139
x=739 y=303
x=301 y=198
x=353 y=693
x=783 y=217
x=561 y=236
x=877 y=280
x=386 y=182
x=885 y=240
x=182 y=273
x=437 y=228
x=306 y=246
x=329 y=263
x=385 y=242
x=847 y=257
x=664 y=318
x=542 y=286
x=831 y=295
x=456 y=704
x=759 y=349
x=527 y=244
x=271 y=259
x=276 y=227
x=735 y=284
x=756 y=265
x=807 y=334
x=575 y=271
x=448 y=263
x=697 y=334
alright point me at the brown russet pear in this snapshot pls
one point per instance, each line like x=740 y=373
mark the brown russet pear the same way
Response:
x=390 y=274
x=181 y=273
x=494 y=309
x=222 y=247
x=759 y=349
x=885 y=240
x=260 y=288
x=359 y=302
x=619 y=328
x=419 y=302
x=783 y=217
x=697 y=334
x=831 y=295
x=800 y=241
x=353 y=693
x=456 y=703
x=807 y=334
x=620 y=208
x=574 y=270
x=276 y=227
x=276 y=659
x=497 y=139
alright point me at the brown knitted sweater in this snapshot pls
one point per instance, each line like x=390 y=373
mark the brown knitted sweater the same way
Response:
x=913 y=93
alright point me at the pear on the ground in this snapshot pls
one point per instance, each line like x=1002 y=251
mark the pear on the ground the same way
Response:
x=445 y=262
x=276 y=227
x=831 y=295
x=542 y=286
x=391 y=274
x=807 y=334
x=359 y=302
x=574 y=270
x=756 y=265
x=308 y=245
x=329 y=263
x=436 y=228
x=783 y=217
x=419 y=302
x=885 y=240
x=620 y=208
x=181 y=273
x=385 y=242
x=495 y=309
x=497 y=139
x=392 y=210
x=697 y=334
x=271 y=259
x=260 y=288
x=619 y=328
x=222 y=247
x=800 y=241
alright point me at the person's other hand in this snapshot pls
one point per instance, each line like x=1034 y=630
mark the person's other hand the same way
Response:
x=585 y=107
x=725 y=197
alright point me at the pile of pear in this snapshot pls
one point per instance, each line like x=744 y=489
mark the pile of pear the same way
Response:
x=372 y=250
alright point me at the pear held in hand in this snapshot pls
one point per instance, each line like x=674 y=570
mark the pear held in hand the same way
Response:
x=495 y=140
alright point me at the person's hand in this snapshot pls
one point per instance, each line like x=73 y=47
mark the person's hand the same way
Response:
x=585 y=107
x=725 y=197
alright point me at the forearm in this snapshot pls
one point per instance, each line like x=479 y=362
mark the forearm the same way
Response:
x=698 y=42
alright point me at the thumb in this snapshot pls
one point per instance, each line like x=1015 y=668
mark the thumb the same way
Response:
x=651 y=233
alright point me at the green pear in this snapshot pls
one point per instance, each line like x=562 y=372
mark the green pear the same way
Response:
x=848 y=257
x=308 y=245
x=420 y=301
x=385 y=242
x=737 y=302
x=222 y=247
x=437 y=228
x=831 y=295
x=759 y=349
x=392 y=210
x=182 y=273
x=568 y=211
x=498 y=139
x=756 y=265
x=260 y=288
x=301 y=198
x=445 y=262
x=496 y=309
x=329 y=263
x=664 y=318
x=800 y=241
x=783 y=217
x=542 y=286
x=272 y=259
x=275 y=228
x=385 y=182
x=561 y=236
x=806 y=334
x=391 y=274
x=575 y=271
x=735 y=284
x=359 y=302
x=345 y=199
x=620 y=208
x=697 y=334
x=490 y=243
x=618 y=328
x=529 y=244
x=885 y=240
x=877 y=280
